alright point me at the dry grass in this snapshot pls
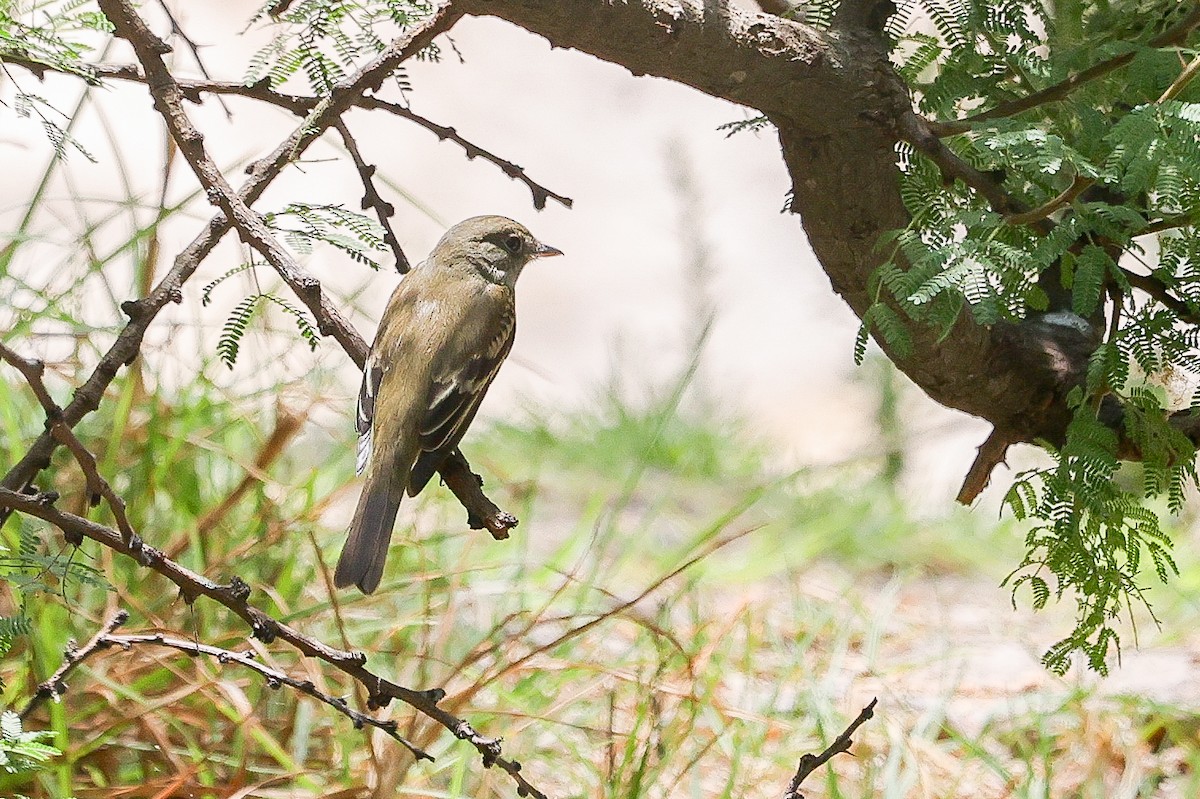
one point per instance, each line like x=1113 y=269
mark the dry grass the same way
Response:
x=605 y=675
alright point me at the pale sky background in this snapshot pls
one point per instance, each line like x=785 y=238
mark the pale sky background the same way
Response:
x=623 y=298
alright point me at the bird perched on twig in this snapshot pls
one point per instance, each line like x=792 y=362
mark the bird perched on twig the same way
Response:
x=446 y=329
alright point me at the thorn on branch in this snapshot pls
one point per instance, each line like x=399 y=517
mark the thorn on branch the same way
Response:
x=55 y=686
x=540 y=194
x=238 y=589
x=372 y=199
x=134 y=309
x=434 y=695
x=263 y=627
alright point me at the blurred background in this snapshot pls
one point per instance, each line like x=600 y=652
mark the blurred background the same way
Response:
x=682 y=391
x=673 y=219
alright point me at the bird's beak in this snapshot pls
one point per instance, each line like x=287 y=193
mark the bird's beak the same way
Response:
x=545 y=251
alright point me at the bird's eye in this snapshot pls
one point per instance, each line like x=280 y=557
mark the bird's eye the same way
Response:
x=512 y=243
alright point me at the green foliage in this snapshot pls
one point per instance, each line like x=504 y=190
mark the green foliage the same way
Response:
x=22 y=751
x=326 y=40
x=1114 y=161
x=752 y=124
x=1090 y=534
x=30 y=569
x=239 y=319
x=54 y=34
x=354 y=234
x=50 y=33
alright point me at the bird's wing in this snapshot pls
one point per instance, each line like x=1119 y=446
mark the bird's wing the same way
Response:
x=459 y=388
x=454 y=399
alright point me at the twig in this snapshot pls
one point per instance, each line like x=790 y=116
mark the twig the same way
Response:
x=810 y=763
x=275 y=678
x=482 y=513
x=178 y=30
x=96 y=485
x=56 y=686
x=1078 y=186
x=267 y=629
x=1180 y=83
x=302 y=104
x=1169 y=223
x=1156 y=289
x=540 y=194
x=916 y=130
x=1059 y=91
x=991 y=454
x=384 y=211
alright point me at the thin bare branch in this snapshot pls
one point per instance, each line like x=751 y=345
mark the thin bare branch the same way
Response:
x=96 y=485
x=177 y=30
x=55 y=686
x=168 y=101
x=1180 y=83
x=540 y=193
x=1156 y=289
x=810 y=763
x=302 y=104
x=384 y=210
x=275 y=678
x=264 y=627
x=1043 y=211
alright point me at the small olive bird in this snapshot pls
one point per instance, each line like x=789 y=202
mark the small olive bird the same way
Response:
x=446 y=329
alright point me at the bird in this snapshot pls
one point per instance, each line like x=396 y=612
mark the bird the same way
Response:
x=443 y=336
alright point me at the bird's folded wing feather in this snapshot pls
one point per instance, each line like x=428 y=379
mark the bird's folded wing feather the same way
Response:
x=458 y=390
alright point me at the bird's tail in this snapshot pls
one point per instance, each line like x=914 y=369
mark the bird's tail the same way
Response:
x=370 y=533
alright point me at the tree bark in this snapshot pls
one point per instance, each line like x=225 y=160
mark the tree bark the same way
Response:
x=839 y=108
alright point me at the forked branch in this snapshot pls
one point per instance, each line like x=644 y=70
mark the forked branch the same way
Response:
x=234 y=595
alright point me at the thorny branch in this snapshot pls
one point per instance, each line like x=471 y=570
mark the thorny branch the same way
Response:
x=56 y=685
x=16 y=493
x=302 y=104
x=168 y=101
x=96 y=485
x=810 y=763
x=275 y=678
x=384 y=210
x=264 y=627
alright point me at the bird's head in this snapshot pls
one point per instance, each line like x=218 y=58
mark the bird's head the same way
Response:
x=496 y=246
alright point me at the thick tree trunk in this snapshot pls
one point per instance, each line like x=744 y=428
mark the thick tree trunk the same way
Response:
x=838 y=106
